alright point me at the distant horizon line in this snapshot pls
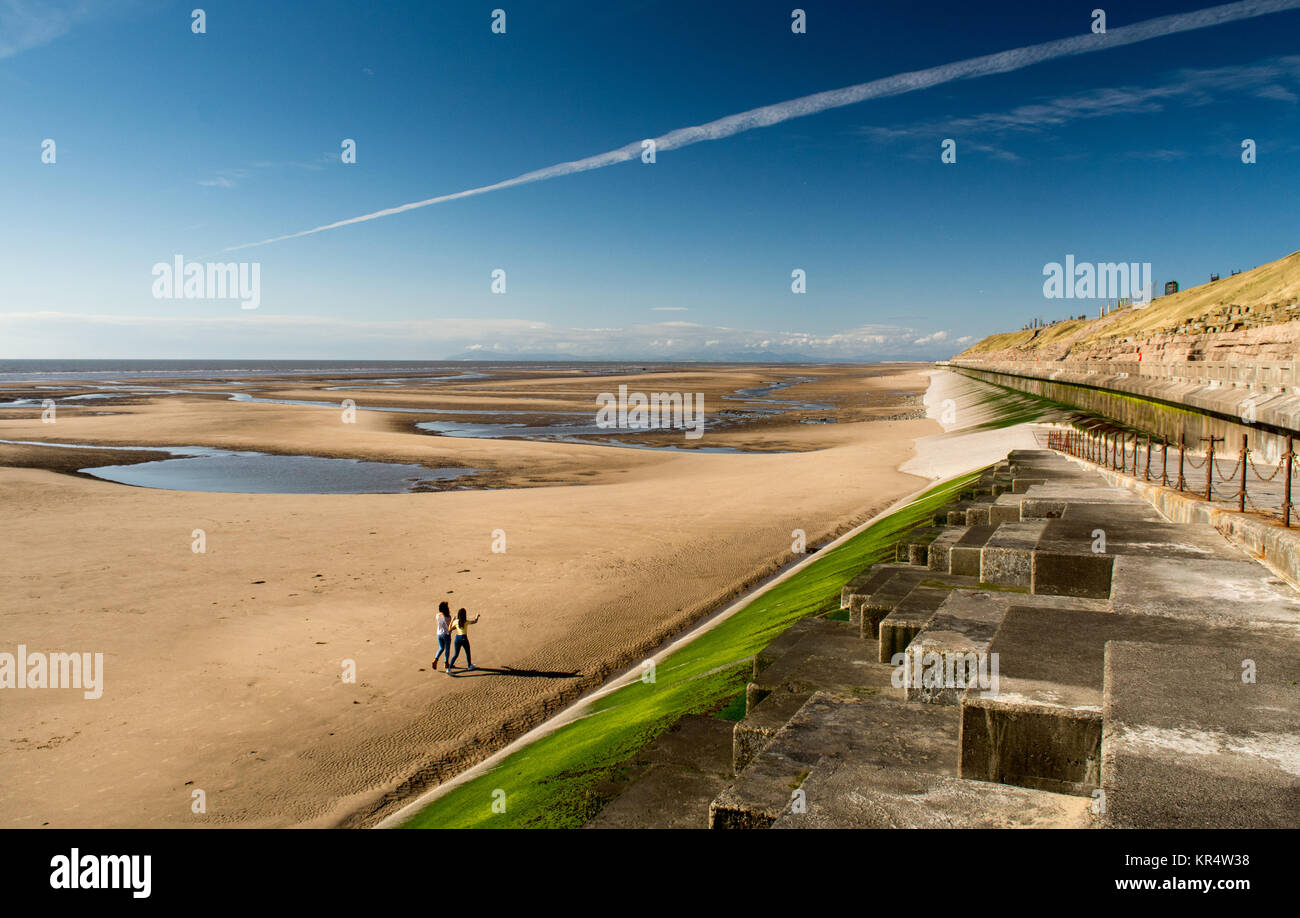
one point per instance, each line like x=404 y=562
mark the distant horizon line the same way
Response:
x=503 y=358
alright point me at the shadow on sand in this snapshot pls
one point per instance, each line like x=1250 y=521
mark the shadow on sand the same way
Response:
x=511 y=671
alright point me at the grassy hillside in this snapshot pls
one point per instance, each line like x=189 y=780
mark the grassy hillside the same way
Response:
x=1266 y=295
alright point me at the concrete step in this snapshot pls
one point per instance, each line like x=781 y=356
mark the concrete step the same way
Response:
x=954 y=514
x=1240 y=593
x=893 y=590
x=1147 y=538
x=1188 y=743
x=1100 y=512
x=669 y=784
x=937 y=557
x=847 y=794
x=861 y=587
x=1042 y=728
x=913 y=547
x=978 y=513
x=822 y=661
x=964 y=555
x=751 y=734
x=962 y=632
x=787 y=639
x=874 y=731
x=1053 y=500
x=1076 y=557
x=1007 y=558
x=1006 y=509
x=896 y=589
x=1070 y=557
x=905 y=622
x=1002 y=484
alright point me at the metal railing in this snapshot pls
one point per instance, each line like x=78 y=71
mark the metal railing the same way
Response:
x=1143 y=457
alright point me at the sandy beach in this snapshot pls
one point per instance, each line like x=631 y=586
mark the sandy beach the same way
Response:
x=222 y=669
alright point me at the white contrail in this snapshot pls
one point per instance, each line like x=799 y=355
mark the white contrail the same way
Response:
x=1002 y=62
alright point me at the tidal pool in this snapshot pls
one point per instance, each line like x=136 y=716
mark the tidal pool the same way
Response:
x=202 y=468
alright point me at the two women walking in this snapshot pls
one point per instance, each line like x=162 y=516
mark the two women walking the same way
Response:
x=457 y=628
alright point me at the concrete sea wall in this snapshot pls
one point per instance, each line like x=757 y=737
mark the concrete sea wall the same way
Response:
x=1257 y=399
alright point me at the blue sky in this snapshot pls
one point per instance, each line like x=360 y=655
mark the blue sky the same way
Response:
x=170 y=142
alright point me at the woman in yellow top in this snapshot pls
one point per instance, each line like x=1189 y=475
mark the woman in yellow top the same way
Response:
x=463 y=621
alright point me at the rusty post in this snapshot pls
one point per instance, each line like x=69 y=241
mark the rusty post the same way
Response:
x=1209 y=465
x=1209 y=469
x=1146 y=475
x=1286 y=500
x=1164 y=462
x=1182 y=452
x=1241 y=498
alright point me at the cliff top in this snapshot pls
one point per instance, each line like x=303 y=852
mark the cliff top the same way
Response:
x=1267 y=295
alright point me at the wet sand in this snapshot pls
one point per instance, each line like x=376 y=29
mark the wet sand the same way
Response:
x=223 y=668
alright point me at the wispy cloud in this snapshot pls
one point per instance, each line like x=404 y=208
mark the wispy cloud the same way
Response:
x=768 y=115
x=231 y=178
x=25 y=24
x=1160 y=156
x=1281 y=93
x=225 y=178
x=668 y=309
x=1186 y=87
x=318 y=336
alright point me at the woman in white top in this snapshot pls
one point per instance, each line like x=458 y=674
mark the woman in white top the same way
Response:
x=444 y=634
